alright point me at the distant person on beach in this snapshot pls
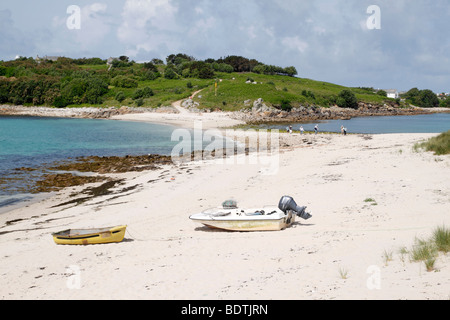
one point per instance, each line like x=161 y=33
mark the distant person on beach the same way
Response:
x=302 y=130
x=316 y=129
x=345 y=131
x=290 y=129
x=342 y=129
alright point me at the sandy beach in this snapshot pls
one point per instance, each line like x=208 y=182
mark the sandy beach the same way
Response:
x=338 y=254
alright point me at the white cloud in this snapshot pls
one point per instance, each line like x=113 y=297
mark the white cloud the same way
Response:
x=94 y=25
x=294 y=43
x=324 y=39
x=147 y=25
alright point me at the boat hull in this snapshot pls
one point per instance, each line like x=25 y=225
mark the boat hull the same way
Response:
x=90 y=236
x=237 y=223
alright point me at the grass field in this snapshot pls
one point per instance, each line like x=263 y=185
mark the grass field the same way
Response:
x=233 y=90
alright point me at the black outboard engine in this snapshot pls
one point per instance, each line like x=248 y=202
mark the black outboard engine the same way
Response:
x=288 y=204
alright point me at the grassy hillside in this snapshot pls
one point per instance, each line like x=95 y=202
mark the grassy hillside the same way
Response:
x=91 y=82
x=233 y=90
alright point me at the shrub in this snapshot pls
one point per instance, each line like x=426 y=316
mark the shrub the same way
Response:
x=308 y=94
x=382 y=93
x=84 y=90
x=286 y=105
x=170 y=74
x=60 y=102
x=347 y=99
x=146 y=92
x=120 y=96
x=124 y=82
x=140 y=102
x=445 y=103
x=150 y=75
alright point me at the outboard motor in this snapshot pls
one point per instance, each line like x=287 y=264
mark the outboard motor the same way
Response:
x=288 y=204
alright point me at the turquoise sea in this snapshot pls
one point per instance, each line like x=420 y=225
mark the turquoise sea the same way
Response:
x=31 y=142
x=434 y=123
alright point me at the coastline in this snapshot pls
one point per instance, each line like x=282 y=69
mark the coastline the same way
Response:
x=178 y=116
x=166 y=256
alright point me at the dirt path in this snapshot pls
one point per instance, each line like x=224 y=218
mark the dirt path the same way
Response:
x=177 y=104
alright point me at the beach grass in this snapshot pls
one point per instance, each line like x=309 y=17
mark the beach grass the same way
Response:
x=373 y=202
x=387 y=257
x=343 y=273
x=440 y=145
x=427 y=250
x=441 y=238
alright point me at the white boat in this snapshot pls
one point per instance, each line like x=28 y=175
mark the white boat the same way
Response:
x=270 y=218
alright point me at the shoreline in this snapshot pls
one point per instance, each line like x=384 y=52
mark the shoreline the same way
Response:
x=171 y=116
x=212 y=120
x=165 y=255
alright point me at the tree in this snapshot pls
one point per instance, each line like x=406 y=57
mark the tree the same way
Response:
x=290 y=71
x=170 y=73
x=445 y=103
x=411 y=95
x=150 y=66
x=157 y=61
x=347 y=99
x=240 y=64
x=179 y=58
x=427 y=99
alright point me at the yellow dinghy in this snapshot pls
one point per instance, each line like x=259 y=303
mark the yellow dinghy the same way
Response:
x=90 y=236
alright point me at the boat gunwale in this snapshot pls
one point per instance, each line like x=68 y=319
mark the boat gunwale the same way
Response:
x=74 y=234
x=237 y=220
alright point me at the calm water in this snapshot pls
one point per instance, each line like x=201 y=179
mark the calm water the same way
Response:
x=31 y=142
x=436 y=123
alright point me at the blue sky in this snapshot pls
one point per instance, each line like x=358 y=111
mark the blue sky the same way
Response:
x=325 y=40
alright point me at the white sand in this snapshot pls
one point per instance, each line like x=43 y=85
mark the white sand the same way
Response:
x=185 y=120
x=166 y=256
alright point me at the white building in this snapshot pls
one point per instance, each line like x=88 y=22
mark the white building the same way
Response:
x=392 y=93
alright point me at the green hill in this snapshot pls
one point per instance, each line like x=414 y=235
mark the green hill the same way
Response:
x=82 y=82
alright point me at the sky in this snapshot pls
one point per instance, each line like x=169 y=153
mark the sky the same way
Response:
x=400 y=44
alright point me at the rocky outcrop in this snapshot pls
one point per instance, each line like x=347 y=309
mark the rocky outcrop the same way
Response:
x=88 y=113
x=261 y=113
x=191 y=105
x=260 y=107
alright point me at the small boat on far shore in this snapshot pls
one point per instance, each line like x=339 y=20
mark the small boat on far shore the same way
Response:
x=90 y=236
